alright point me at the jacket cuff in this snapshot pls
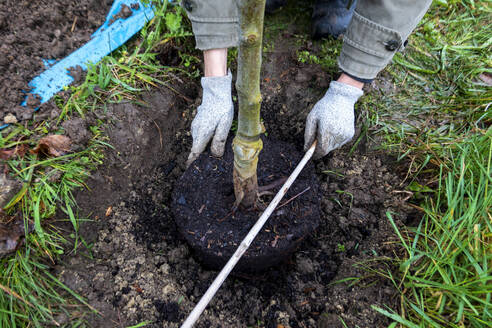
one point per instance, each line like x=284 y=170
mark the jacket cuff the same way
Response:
x=367 y=47
x=215 y=24
x=218 y=40
x=368 y=81
x=215 y=33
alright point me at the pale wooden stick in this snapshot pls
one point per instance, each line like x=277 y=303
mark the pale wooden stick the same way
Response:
x=219 y=280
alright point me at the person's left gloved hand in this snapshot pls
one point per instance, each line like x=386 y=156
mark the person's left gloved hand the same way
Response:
x=214 y=117
x=331 y=121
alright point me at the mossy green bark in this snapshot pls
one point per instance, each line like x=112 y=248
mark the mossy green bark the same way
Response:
x=247 y=143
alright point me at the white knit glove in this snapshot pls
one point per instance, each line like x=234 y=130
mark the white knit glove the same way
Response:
x=331 y=120
x=214 y=117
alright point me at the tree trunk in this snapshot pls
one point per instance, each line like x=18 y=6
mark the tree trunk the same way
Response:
x=247 y=143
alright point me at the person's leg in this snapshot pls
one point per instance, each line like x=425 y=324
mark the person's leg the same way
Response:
x=331 y=17
x=272 y=5
x=377 y=30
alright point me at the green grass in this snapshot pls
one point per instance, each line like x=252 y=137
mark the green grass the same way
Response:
x=29 y=294
x=436 y=120
x=298 y=14
x=447 y=270
x=135 y=66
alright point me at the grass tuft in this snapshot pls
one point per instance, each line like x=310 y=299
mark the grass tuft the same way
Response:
x=447 y=269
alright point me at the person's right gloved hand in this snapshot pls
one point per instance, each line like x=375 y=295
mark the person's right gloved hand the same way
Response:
x=214 y=117
x=331 y=121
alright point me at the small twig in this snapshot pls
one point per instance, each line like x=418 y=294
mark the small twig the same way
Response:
x=175 y=77
x=73 y=25
x=292 y=198
x=264 y=190
x=262 y=193
x=225 y=217
x=416 y=207
x=409 y=194
x=159 y=130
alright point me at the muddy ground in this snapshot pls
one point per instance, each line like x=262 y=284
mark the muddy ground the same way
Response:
x=142 y=270
x=33 y=31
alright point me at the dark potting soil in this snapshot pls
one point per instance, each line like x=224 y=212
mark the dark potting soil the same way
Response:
x=33 y=31
x=204 y=196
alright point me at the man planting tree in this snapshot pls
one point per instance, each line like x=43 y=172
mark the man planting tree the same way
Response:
x=374 y=31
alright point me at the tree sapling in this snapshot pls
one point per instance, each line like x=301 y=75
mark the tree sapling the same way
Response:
x=247 y=144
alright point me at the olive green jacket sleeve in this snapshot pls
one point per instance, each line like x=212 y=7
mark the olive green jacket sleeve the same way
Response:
x=379 y=28
x=215 y=23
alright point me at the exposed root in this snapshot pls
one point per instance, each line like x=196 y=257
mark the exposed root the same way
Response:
x=265 y=190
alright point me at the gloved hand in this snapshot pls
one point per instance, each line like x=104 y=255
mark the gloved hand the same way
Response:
x=214 y=117
x=331 y=120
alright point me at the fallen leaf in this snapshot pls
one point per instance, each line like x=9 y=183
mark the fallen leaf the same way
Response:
x=6 y=153
x=52 y=145
x=19 y=150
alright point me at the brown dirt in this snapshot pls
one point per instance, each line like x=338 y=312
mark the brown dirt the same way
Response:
x=143 y=270
x=35 y=30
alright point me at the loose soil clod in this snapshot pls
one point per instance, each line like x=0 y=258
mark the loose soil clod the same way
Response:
x=11 y=234
x=8 y=186
x=206 y=222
